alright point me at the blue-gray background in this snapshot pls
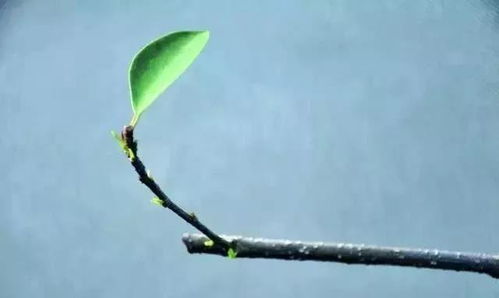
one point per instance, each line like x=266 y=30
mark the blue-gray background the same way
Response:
x=355 y=121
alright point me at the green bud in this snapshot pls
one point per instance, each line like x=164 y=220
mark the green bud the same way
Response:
x=231 y=253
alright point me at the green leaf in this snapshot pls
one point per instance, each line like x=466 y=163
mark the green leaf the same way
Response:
x=231 y=253
x=159 y=64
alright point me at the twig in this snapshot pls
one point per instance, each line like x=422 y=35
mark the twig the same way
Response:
x=244 y=247
x=348 y=253
x=166 y=202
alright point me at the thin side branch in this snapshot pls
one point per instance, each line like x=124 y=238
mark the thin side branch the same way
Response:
x=166 y=202
x=348 y=254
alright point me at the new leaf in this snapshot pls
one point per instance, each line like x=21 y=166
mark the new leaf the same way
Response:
x=159 y=64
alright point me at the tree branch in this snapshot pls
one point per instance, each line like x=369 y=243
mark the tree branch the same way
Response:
x=166 y=202
x=348 y=254
x=244 y=247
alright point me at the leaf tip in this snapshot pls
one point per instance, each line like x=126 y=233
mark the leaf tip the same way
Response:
x=205 y=34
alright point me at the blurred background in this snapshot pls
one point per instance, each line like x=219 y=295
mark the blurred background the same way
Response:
x=349 y=121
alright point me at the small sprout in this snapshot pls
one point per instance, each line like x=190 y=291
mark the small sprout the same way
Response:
x=231 y=253
x=157 y=201
x=148 y=172
x=209 y=243
x=119 y=140
x=193 y=216
x=130 y=154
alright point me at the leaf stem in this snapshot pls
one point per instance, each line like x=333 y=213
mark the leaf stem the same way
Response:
x=134 y=120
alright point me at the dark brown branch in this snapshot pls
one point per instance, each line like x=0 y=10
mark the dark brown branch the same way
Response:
x=348 y=253
x=166 y=202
